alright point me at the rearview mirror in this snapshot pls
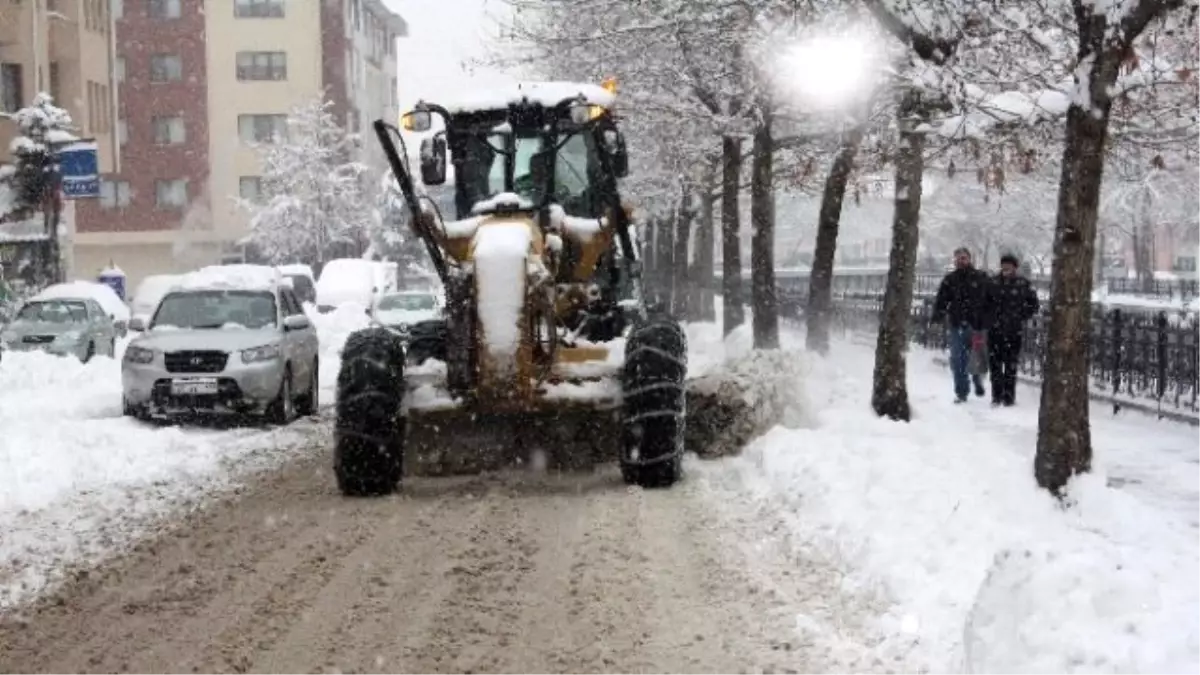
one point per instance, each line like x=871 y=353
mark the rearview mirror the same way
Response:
x=296 y=322
x=433 y=160
x=617 y=153
x=417 y=120
x=137 y=323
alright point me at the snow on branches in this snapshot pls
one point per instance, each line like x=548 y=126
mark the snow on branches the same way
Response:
x=40 y=127
x=314 y=198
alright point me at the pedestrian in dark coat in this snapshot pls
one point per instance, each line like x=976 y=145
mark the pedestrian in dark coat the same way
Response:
x=1013 y=302
x=962 y=301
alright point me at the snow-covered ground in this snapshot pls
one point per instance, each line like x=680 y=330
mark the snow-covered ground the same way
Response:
x=941 y=519
x=78 y=481
x=951 y=554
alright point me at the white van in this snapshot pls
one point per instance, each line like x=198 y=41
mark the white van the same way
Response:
x=348 y=280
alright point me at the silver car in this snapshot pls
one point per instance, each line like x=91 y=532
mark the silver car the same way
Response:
x=223 y=351
x=76 y=327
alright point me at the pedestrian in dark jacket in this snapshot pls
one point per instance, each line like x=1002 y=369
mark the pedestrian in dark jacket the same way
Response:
x=962 y=301
x=1013 y=302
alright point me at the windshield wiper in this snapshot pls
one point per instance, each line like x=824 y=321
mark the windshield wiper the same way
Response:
x=207 y=326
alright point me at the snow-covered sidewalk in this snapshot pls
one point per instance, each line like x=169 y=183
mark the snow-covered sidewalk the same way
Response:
x=942 y=519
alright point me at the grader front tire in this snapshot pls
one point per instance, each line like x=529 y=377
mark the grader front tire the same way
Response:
x=369 y=434
x=653 y=415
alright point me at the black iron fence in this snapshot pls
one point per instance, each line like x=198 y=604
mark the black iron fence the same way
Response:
x=1139 y=356
x=1179 y=289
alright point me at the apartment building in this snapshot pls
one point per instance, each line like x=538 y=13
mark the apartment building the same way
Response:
x=65 y=48
x=199 y=82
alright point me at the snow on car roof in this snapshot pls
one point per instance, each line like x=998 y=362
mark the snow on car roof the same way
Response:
x=545 y=93
x=231 y=277
x=101 y=293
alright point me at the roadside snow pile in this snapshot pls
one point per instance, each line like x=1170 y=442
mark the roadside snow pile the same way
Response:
x=79 y=482
x=729 y=406
x=988 y=573
x=736 y=393
x=332 y=330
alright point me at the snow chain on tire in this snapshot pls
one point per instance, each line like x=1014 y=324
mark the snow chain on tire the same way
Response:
x=369 y=434
x=653 y=408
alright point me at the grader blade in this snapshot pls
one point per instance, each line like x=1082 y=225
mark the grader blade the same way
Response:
x=459 y=442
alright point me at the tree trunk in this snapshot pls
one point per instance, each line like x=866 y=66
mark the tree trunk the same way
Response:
x=681 y=263
x=734 y=312
x=702 y=279
x=762 y=240
x=889 y=397
x=820 y=286
x=664 y=242
x=1064 y=445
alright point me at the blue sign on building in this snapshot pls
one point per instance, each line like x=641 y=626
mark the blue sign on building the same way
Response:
x=80 y=170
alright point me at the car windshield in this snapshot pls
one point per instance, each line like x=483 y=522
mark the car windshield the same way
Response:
x=483 y=170
x=407 y=301
x=54 y=311
x=216 y=309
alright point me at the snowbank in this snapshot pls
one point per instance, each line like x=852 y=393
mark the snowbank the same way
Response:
x=985 y=571
x=79 y=481
x=101 y=293
x=332 y=330
x=730 y=405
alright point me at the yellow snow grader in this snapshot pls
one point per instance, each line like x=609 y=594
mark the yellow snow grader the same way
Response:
x=546 y=354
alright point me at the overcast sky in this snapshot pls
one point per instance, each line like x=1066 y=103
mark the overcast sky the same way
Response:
x=443 y=36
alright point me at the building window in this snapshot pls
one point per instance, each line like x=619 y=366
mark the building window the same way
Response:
x=55 y=81
x=1185 y=263
x=166 y=68
x=114 y=194
x=262 y=128
x=122 y=132
x=250 y=188
x=258 y=9
x=170 y=194
x=169 y=130
x=163 y=9
x=120 y=68
x=118 y=9
x=105 y=104
x=261 y=66
x=11 y=83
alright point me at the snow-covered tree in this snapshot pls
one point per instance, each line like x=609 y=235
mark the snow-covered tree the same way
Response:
x=315 y=199
x=33 y=173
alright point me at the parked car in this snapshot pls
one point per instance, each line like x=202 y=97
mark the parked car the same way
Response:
x=402 y=309
x=75 y=326
x=226 y=340
x=117 y=310
x=304 y=282
x=149 y=292
x=303 y=286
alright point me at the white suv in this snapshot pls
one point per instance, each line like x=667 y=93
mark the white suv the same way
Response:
x=225 y=340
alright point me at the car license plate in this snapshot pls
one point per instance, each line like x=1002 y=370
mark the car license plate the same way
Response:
x=194 y=386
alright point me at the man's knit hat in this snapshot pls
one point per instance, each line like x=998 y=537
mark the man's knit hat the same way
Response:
x=1011 y=259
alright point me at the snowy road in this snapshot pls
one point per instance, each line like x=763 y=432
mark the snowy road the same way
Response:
x=843 y=544
x=505 y=573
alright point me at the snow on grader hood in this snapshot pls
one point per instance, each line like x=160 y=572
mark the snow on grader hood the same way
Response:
x=546 y=353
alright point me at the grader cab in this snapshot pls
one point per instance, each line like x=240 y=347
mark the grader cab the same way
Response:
x=546 y=353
